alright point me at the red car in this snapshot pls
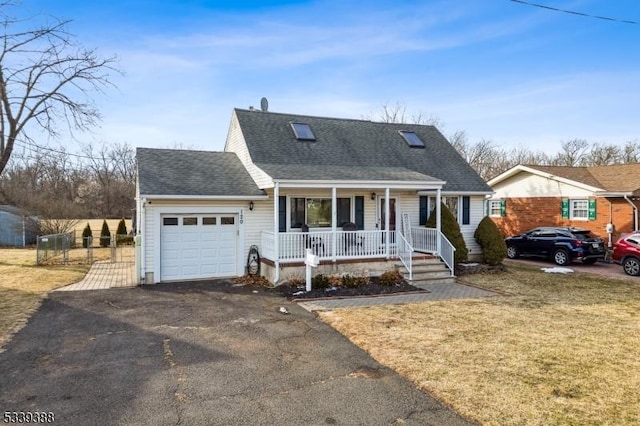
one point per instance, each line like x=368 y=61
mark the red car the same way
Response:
x=626 y=252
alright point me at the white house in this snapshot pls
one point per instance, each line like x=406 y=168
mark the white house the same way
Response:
x=356 y=192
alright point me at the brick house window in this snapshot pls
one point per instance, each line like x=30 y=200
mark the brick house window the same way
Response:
x=579 y=209
x=495 y=208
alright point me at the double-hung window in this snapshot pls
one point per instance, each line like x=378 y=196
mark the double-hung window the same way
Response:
x=495 y=208
x=579 y=209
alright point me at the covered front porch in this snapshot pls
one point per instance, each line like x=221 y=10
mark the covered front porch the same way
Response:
x=376 y=230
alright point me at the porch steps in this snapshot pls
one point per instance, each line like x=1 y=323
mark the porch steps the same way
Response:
x=427 y=270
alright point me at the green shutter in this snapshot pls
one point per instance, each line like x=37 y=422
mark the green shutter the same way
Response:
x=565 y=208
x=592 y=209
x=503 y=208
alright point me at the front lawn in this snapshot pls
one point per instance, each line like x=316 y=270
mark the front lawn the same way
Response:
x=23 y=285
x=555 y=349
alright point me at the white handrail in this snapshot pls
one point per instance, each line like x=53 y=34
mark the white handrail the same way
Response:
x=405 y=253
x=447 y=253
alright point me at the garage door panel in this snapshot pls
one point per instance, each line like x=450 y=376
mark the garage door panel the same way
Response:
x=205 y=247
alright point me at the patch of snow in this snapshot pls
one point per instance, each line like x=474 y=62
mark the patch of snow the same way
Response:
x=298 y=293
x=557 y=270
x=283 y=310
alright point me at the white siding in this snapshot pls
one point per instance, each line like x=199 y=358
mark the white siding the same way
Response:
x=476 y=213
x=262 y=217
x=525 y=185
x=236 y=143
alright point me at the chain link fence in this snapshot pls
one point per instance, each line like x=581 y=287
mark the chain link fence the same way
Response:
x=54 y=245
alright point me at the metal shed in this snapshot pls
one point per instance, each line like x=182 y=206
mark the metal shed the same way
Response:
x=17 y=228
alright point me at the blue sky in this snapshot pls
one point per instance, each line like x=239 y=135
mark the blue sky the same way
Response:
x=499 y=70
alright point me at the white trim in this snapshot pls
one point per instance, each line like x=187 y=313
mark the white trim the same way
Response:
x=362 y=184
x=520 y=168
x=489 y=208
x=461 y=193
x=613 y=194
x=206 y=197
x=571 y=209
x=164 y=210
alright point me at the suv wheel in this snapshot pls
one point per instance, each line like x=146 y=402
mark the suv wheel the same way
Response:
x=512 y=252
x=631 y=266
x=561 y=257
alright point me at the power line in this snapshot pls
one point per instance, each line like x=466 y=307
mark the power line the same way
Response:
x=573 y=12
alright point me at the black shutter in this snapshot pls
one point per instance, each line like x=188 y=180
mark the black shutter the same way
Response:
x=282 y=213
x=466 y=201
x=360 y=212
x=424 y=211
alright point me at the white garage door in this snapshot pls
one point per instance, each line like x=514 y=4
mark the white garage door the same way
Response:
x=198 y=246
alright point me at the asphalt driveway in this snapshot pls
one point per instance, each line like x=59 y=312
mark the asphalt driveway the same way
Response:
x=199 y=354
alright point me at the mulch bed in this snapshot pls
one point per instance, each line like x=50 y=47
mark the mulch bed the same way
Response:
x=371 y=289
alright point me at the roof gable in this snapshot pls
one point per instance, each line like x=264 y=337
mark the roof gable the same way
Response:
x=346 y=146
x=171 y=172
x=623 y=178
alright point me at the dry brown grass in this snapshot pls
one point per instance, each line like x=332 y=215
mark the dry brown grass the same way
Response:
x=23 y=285
x=555 y=350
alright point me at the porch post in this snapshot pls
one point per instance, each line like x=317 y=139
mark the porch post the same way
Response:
x=387 y=209
x=276 y=230
x=334 y=220
x=438 y=221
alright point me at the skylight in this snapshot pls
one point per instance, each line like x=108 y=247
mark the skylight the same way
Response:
x=303 y=132
x=411 y=139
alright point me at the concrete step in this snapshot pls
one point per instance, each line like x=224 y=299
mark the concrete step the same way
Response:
x=424 y=283
x=427 y=271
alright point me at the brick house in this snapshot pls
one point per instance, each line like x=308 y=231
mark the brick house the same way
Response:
x=589 y=197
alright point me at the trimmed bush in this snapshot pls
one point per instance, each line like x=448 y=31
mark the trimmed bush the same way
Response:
x=105 y=235
x=494 y=250
x=320 y=281
x=86 y=233
x=391 y=278
x=451 y=230
x=350 y=281
x=122 y=228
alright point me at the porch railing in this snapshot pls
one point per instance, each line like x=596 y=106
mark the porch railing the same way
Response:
x=357 y=244
x=447 y=252
x=426 y=240
x=326 y=245
x=405 y=253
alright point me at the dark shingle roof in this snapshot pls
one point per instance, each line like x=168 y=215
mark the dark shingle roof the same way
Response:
x=177 y=172
x=612 y=178
x=353 y=149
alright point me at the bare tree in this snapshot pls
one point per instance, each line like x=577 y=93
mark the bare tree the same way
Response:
x=603 y=155
x=572 y=154
x=398 y=114
x=631 y=152
x=45 y=79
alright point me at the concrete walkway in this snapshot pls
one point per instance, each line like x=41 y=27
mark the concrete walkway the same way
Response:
x=105 y=274
x=436 y=292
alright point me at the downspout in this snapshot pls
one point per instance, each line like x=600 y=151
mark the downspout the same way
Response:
x=635 y=213
x=141 y=225
x=276 y=231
